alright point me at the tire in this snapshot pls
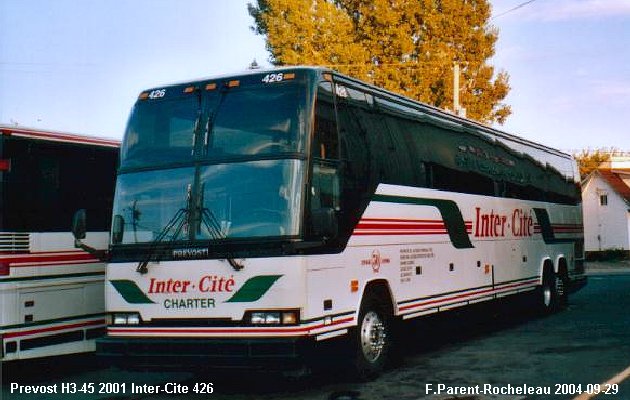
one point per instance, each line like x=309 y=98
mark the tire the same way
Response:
x=373 y=338
x=551 y=293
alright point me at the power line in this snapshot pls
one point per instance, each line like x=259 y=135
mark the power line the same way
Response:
x=518 y=7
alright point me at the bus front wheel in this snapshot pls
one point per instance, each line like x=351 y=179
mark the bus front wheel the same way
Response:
x=373 y=339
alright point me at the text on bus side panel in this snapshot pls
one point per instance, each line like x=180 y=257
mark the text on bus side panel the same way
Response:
x=518 y=223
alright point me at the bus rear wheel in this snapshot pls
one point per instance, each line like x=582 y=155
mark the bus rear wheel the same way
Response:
x=373 y=339
x=552 y=293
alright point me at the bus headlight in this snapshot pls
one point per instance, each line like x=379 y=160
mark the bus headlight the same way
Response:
x=124 y=319
x=291 y=317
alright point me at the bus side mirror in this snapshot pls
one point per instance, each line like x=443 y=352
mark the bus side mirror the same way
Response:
x=79 y=228
x=325 y=222
x=79 y=224
x=118 y=229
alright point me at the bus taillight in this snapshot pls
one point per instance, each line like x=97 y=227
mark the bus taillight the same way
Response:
x=4 y=268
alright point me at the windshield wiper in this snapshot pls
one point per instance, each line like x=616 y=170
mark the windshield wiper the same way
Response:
x=179 y=220
x=213 y=226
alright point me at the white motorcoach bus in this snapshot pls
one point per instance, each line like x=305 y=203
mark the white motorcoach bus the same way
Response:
x=258 y=215
x=51 y=294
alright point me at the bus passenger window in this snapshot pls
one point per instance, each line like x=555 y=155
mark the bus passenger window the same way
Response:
x=325 y=142
x=325 y=187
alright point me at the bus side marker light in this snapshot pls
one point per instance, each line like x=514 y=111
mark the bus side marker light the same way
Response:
x=189 y=89
x=211 y=86
x=234 y=84
x=289 y=318
x=4 y=268
x=5 y=164
x=327 y=320
x=354 y=285
x=144 y=96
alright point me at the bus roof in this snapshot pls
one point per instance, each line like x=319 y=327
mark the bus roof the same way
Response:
x=54 y=136
x=464 y=123
x=437 y=114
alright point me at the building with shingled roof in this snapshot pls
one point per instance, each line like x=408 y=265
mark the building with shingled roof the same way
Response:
x=606 y=205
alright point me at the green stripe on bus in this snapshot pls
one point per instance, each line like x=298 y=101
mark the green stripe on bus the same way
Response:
x=542 y=217
x=451 y=215
x=131 y=292
x=253 y=289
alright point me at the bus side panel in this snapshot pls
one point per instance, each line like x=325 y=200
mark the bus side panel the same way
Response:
x=52 y=298
x=406 y=238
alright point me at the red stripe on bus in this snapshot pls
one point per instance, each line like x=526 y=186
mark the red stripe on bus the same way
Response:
x=409 y=221
x=53 y=329
x=463 y=295
x=63 y=137
x=305 y=329
x=51 y=258
x=437 y=225
x=398 y=220
x=402 y=233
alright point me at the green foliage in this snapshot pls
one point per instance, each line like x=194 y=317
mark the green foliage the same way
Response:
x=406 y=46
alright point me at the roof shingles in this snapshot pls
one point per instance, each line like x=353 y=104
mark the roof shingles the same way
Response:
x=616 y=182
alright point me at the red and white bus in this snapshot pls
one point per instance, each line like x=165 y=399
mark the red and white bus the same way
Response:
x=51 y=293
x=258 y=215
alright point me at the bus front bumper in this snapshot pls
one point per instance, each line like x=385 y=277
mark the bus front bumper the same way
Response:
x=280 y=353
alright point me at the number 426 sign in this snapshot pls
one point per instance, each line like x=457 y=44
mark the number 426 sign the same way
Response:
x=271 y=78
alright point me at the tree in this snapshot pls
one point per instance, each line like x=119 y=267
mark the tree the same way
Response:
x=406 y=46
x=589 y=160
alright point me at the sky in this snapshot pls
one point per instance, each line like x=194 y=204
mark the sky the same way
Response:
x=78 y=66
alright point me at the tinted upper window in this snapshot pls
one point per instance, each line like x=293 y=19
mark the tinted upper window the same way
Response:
x=325 y=140
x=258 y=120
x=48 y=182
x=160 y=131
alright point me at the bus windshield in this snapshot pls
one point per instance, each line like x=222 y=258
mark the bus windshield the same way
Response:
x=214 y=164
x=239 y=200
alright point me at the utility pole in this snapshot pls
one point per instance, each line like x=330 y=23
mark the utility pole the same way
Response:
x=457 y=108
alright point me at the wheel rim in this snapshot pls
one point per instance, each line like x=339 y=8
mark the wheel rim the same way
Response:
x=373 y=336
x=560 y=287
x=547 y=295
